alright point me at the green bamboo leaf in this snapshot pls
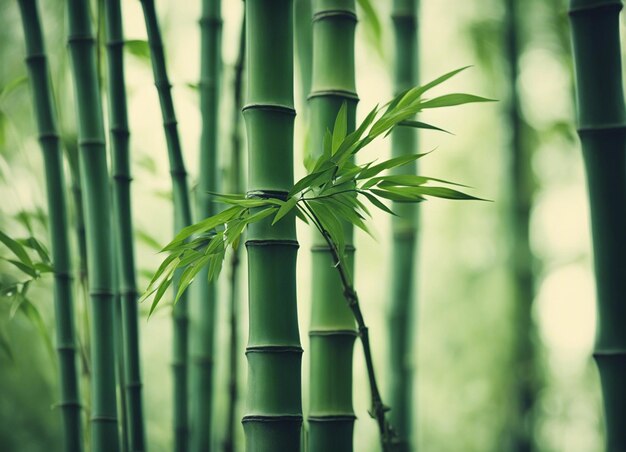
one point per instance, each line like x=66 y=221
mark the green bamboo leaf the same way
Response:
x=443 y=192
x=341 y=127
x=39 y=248
x=28 y=269
x=377 y=202
x=394 y=195
x=372 y=24
x=189 y=274
x=285 y=209
x=12 y=86
x=409 y=180
x=159 y=294
x=312 y=180
x=16 y=248
x=42 y=267
x=138 y=48
x=449 y=100
x=6 y=345
x=415 y=93
x=148 y=240
x=301 y=215
x=421 y=125
x=330 y=223
x=388 y=164
x=204 y=225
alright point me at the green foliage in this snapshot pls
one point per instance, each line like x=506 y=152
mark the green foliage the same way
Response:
x=328 y=196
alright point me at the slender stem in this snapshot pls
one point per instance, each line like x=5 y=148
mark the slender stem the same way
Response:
x=182 y=218
x=235 y=182
x=378 y=408
x=122 y=213
x=57 y=211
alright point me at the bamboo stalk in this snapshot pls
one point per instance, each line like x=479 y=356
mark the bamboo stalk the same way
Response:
x=235 y=187
x=127 y=287
x=404 y=239
x=96 y=206
x=521 y=190
x=602 y=131
x=303 y=13
x=182 y=218
x=332 y=331
x=37 y=63
x=202 y=323
x=274 y=404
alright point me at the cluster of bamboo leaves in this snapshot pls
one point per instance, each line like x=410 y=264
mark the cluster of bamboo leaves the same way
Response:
x=331 y=194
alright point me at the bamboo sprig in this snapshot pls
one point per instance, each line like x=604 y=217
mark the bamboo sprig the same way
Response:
x=327 y=196
x=182 y=218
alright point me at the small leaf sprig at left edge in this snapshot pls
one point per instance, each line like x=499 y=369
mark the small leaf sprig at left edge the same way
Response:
x=330 y=194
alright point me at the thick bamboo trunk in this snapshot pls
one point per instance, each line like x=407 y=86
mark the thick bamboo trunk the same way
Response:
x=127 y=287
x=203 y=299
x=524 y=356
x=57 y=212
x=235 y=186
x=332 y=331
x=182 y=218
x=404 y=239
x=97 y=209
x=274 y=403
x=602 y=130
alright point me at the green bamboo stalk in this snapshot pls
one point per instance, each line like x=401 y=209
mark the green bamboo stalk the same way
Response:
x=96 y=206
x=524 y=354
x=57 y=211
x=602 y=131
x=332 y=331
x=235 y=187
x=203 y=298
x=182 y=218
x=119 y=355
x=304 y=44
x=127 y=287
x=274 y=414
x=404 y=238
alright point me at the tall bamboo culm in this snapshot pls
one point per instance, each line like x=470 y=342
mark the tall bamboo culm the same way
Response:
x=182 y=218
x=124 y=252
x=235 y=186
x=520 y=170
x=602 y=131
x=97 y=209
x=332 y=331
x=404 y=239
x=50 y=143
x=202 y=325
x=274 y=403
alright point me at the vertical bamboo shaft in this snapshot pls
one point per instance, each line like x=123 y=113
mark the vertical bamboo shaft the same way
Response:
x=96 y=206
x=182 y=218
x=202 y=301
x=332 y=331
x=404 y=238
x=57 y=211
x=274 y=403
x=602 y=131
x=235 y=187
x=127 y=287
x=524 y=378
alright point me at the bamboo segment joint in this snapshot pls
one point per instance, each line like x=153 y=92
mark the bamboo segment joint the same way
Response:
x=342 y=13
x=274 y=349
x=268 y=418
x=103 y=418
x=210 y=21
x=276 y=242
x=163 y=84
x=69 y=404
x=598 y=7
x=583 y=130
x=115 y=43
x=405 y=19
x=77 y=39
x=101 y=293
x=35 y=57
x=272 y=107
x=91 y=142
x=327 y=333
x=342 y=93
x=120 y=131
x=333 y=418
x=328 y=249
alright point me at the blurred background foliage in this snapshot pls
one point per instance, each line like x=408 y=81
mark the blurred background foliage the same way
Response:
x=465 y=324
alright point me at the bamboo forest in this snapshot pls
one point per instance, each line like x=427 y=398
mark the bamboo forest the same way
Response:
x=312 y=226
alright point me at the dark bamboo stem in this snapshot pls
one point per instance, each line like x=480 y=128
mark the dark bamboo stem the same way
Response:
x=126 y=287
x=182 y=218
x=404 y=239
x=602 y=131
x=524 y=365
x=57 y=211
x=96 y=206
x=235 y=187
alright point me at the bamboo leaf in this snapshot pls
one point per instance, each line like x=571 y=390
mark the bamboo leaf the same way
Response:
x=443 y=192
x=394 y=195
x=34 y=316
x=415 y=93
x=341 y=127
x=12 y=86
x=449 y=100
x=148 y=240
x=377 y=202
x=16 y=248
x=28 y=269
x=39 y=248
x=388 y=164
x=159 y=294
x=421 y=125
x=204 y=225
x=285 y=209
x=138 y=48
x=409 y=180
